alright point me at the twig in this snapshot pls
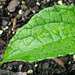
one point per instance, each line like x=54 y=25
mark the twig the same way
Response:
x=59 y=61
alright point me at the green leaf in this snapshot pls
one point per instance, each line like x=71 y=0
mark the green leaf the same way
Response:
x=49 y=34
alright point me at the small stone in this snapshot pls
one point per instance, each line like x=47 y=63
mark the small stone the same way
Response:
x=22 y=73
x=18 y=16
x=12 y=29
x=1 y=31
x=20 y=12
x=38 y=3
x=20 y=66
x=9 y=68
x=12 y=5
x=36 y=65
x=74 y=57
x=24 y=7
x=8 y=13
x=4 y=22
x=13 y=32
x=35 y=9
x=6 y=28
x=60 y=2
x=48 y=0
x=1 y=6
x=30 y=71
x=2 y=56
x=23 y=2
x=9 y=23
x=45 y=65
x=27 y=12
x=5 y=66
x=69 y=62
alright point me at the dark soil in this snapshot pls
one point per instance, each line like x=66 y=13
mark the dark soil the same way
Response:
x=13 y=15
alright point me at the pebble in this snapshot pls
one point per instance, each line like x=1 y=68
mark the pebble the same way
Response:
x=12 y=5
x=1 y=6
x=23 y=2
x=13 y=32
x=69 y=62
x=18 y=16
x=36 y=9
x=20 y=12
x=22 y=73
x=33 y=11
x=9 y=68
x=45 y=65
x=4 y=22
x=1 y=31
x=5 y=66
x=20 y=66
x=6 y=28
x=36 y=65
x=48 y=0
x=38 y=3
x=12 y=29
x=60 y=2
x=24 y=7
x=8 y=13
x=74 y=57
x=2 y=56
x=30 y=71
x=27 y=12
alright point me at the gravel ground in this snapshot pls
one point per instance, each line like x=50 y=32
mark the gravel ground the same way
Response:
x=13 y=15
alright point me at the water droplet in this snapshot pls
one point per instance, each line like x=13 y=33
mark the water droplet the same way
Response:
x=42 y=35
x=28 y=43
x=55 y=31
x=35 y=35
x=65 y=32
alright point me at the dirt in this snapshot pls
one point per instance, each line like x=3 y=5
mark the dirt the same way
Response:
x=13 y=15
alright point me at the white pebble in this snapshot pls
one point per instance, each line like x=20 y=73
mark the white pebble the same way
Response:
x=48 y=0
x=33 y=11
x=38 y=3
x=1 y=31
x=1 y=7
x=74 y=57
x=60 y=2
x=30 y=71
x=13 y=32
x=12 y=29
x=20 y=66
x=6 y=28
x=36 y=65
x=20 y=12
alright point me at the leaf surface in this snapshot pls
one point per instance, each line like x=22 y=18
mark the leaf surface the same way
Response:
x=49 y=34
